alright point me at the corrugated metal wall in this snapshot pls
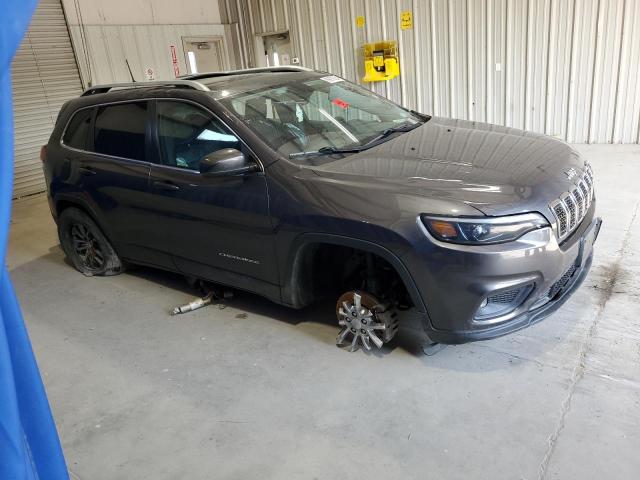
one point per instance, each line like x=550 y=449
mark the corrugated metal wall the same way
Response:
x=568 y=68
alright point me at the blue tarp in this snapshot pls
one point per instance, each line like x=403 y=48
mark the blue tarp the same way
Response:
x=29 y=445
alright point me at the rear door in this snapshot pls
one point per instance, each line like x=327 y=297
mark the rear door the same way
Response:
x=215 y=227
x=112 y=173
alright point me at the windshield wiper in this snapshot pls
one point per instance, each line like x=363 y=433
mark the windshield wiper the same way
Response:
x=405 y=127
x=327 y=151
x=422 y=116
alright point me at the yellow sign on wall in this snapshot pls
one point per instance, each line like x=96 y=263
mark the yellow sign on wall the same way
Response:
x=406 y=20
x=360 y=21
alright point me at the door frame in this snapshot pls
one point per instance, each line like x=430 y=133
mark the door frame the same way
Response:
x=218 y=42
x=259 y=46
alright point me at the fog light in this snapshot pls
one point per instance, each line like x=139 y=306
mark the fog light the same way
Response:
x=502 y=302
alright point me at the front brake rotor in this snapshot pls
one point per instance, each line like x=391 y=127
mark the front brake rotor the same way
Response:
x=365 y=319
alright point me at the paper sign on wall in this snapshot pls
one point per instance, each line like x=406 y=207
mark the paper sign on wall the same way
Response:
x=174 y=61
x=149 y=73
x=406 y=20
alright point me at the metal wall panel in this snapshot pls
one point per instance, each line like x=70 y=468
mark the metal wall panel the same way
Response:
x=626 y=118
x=515 y=66
x=496 y=22
x=567 y=68
x=559 y=63
x=606 y=70
x=143 y=46
x=582 y=63
x=44 y=75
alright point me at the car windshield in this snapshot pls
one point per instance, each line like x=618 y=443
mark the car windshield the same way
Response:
x=320 y=116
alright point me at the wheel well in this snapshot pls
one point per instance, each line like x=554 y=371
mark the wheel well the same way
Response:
x=63 y=205
x=323 y=270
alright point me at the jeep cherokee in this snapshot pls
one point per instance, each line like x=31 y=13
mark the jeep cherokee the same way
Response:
x=299 y=185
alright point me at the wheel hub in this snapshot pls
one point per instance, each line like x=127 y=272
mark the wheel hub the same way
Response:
x=363 y=320
x=86 y=247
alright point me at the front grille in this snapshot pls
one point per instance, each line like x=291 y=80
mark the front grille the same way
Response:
x=572 y=206
x=562 y=282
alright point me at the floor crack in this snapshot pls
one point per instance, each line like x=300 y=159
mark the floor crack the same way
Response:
x=585 y=347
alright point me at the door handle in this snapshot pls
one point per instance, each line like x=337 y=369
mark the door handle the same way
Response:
x=166 y=186
x=86 y=171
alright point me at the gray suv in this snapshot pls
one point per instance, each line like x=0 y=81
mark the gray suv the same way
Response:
x=298 y=185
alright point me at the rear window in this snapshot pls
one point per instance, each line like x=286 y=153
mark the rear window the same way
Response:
x=77 y=132
x=120 y=130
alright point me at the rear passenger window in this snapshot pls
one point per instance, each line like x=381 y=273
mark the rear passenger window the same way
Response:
x=120 y=130
x=77 y=132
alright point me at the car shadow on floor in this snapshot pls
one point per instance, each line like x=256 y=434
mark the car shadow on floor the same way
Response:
x=410 y=338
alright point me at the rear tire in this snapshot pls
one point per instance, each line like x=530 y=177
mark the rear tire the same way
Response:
x=86 y=246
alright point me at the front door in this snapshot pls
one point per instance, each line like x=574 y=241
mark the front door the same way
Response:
x=216 y=228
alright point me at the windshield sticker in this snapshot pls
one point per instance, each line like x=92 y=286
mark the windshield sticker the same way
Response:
x=340 y=103
x=331 y=79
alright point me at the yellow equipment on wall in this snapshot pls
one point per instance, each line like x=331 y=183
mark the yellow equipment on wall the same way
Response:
x=380 y=61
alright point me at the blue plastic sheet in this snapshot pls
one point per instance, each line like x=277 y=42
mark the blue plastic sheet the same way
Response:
x=29 y=445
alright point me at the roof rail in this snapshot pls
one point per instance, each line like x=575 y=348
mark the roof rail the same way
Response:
x=287 y=68
x=182 y=83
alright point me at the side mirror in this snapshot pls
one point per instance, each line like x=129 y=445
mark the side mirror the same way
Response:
x=227 y=161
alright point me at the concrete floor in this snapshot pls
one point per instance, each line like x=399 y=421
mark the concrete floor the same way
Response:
x=138 y=394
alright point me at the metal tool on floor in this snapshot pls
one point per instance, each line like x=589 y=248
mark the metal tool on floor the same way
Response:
x=213 y=294
x=195 y=305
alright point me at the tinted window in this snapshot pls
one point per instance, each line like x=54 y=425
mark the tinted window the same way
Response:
x=77 y=132
x=119 y=130
x=187 y=133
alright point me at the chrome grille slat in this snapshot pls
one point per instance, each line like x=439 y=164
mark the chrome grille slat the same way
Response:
x=589 y=183
x=572 y=206
x=583 y=189
x=585 y=194
x=560 y=212
x=577 y=196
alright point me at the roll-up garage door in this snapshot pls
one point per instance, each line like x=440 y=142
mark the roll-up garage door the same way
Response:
x=44 y=76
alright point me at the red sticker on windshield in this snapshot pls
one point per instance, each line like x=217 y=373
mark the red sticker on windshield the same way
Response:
x=340 y=103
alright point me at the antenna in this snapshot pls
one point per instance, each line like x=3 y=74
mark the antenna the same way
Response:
x=130 y=72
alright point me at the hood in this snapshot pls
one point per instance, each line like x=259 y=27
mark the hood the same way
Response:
x=497 y=170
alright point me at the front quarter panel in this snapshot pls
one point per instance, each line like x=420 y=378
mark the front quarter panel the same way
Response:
x=303 y=202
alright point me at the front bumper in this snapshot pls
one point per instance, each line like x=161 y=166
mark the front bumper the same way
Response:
x=458 y=278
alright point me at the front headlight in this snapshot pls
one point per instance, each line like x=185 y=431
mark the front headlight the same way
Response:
x=482 y=230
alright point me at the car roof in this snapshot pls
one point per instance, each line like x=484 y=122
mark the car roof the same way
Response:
x=229 y=86
x=217 y=84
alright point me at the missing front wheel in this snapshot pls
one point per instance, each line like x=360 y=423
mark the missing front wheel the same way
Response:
x=365 y=321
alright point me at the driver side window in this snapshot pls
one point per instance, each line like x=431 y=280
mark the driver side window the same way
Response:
x=187 y=133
